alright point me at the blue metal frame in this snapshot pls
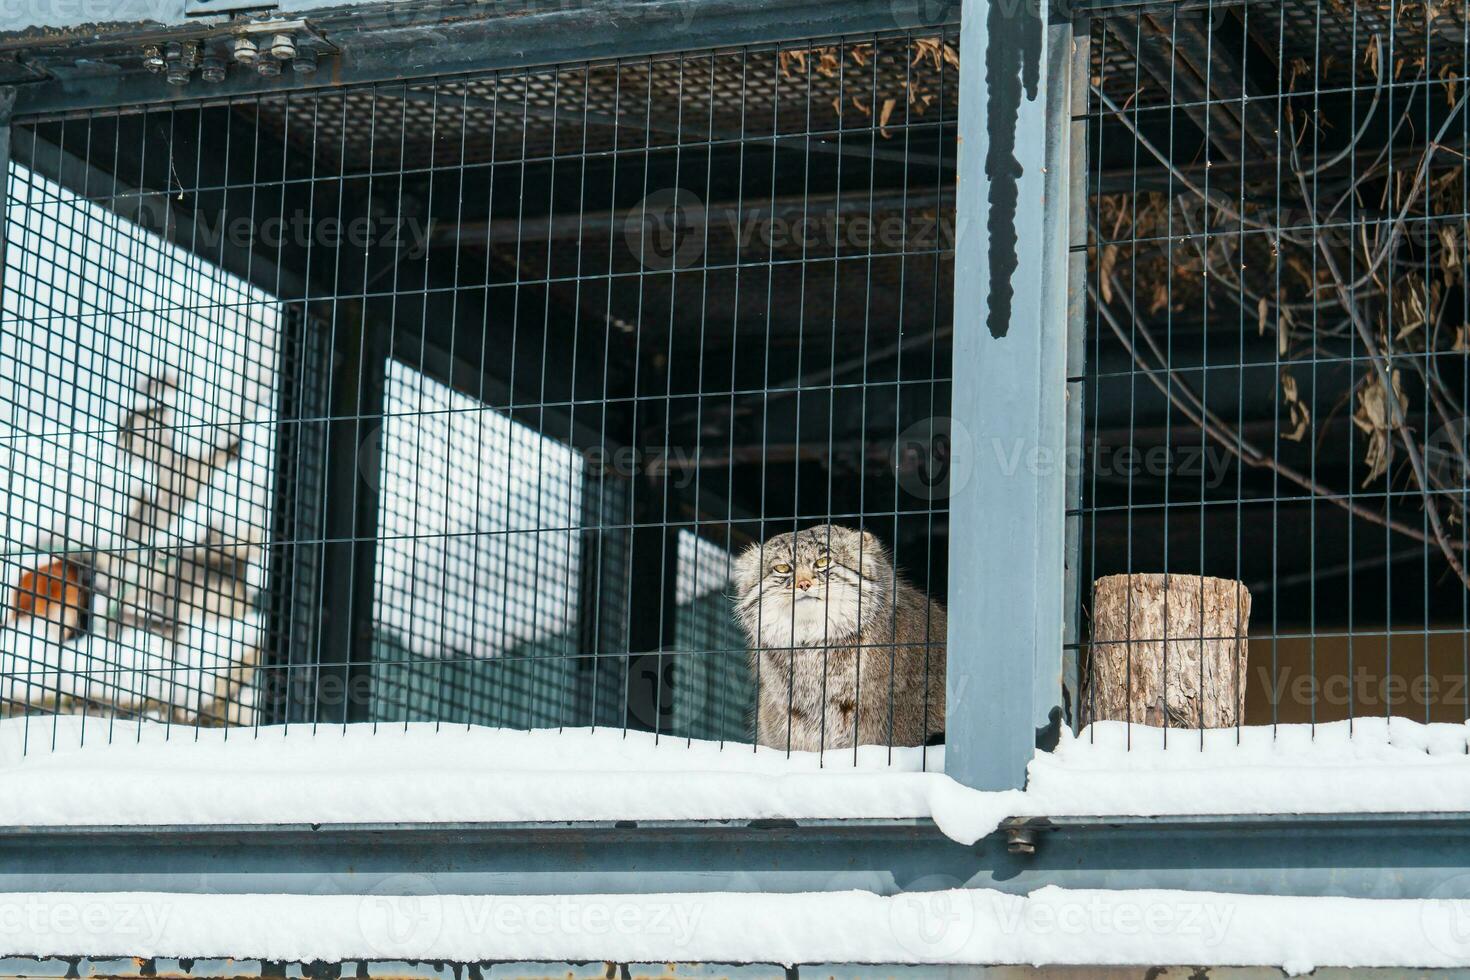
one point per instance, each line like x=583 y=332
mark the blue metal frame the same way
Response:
x=1009 y=409
x=162 y=968
x=7 y=108
x=434 y=38
x=1354 y=855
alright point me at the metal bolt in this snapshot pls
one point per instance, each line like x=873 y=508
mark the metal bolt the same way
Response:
x=176 y=68
x=246 y=51
x=305 y=62
x=283 y=46
x=153 y=59
x=268 y=67
x=213 y=70
x=1020 y=840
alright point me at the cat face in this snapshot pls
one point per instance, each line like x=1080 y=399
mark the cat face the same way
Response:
x=812 y=588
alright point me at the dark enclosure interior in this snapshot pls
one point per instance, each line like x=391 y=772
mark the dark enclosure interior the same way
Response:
x=456 y=396
x=1276 y=336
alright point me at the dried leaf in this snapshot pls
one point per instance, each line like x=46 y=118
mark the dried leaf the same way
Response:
x=1449 y=253
x=1261 y=317
x=1106 y=262
x=1160 y=299
x=938 y=52
x=1411 y=313
x=888 y=106
x=828 y=63
x=1295 y=264
x=1299 y=417
x=787 y=58
x=918 y=98
x=1374 y=419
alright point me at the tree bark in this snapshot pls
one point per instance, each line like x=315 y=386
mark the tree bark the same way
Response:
x=1168 y=649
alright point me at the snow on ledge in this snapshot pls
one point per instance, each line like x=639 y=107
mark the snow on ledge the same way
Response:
x=1051 y=926
x=150 y=773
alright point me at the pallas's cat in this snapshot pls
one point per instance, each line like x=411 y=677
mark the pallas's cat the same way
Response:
x=843 y=649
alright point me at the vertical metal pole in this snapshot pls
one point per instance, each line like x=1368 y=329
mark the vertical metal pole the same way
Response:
x=1007 y=513
x=1070 y=161
x=7 y=107
x=349 y=565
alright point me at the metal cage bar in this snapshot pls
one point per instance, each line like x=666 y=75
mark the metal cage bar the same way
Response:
x=535 y=303
x=1275 y=378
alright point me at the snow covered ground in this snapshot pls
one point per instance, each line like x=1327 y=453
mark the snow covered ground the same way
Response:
x=56 y=769
x=1049 y=926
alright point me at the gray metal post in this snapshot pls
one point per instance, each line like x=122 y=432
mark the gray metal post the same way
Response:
x=1072 y=158
x=1009 y=408
x=7 y=109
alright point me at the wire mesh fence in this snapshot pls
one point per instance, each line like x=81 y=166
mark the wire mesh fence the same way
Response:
x=1276 y=372
x=487 y=399
x=138 y=385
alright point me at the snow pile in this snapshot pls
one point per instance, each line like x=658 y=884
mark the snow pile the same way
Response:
x=423 y=772
x=1051 y=926
x=1370 y=765
x=55 y=769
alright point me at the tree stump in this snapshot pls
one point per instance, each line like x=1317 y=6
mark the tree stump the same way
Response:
x=1174 y=654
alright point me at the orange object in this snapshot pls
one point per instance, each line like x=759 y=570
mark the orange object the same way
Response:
x=52 y=591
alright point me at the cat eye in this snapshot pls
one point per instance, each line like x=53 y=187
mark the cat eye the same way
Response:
x=781 y=567
x=822 y=562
